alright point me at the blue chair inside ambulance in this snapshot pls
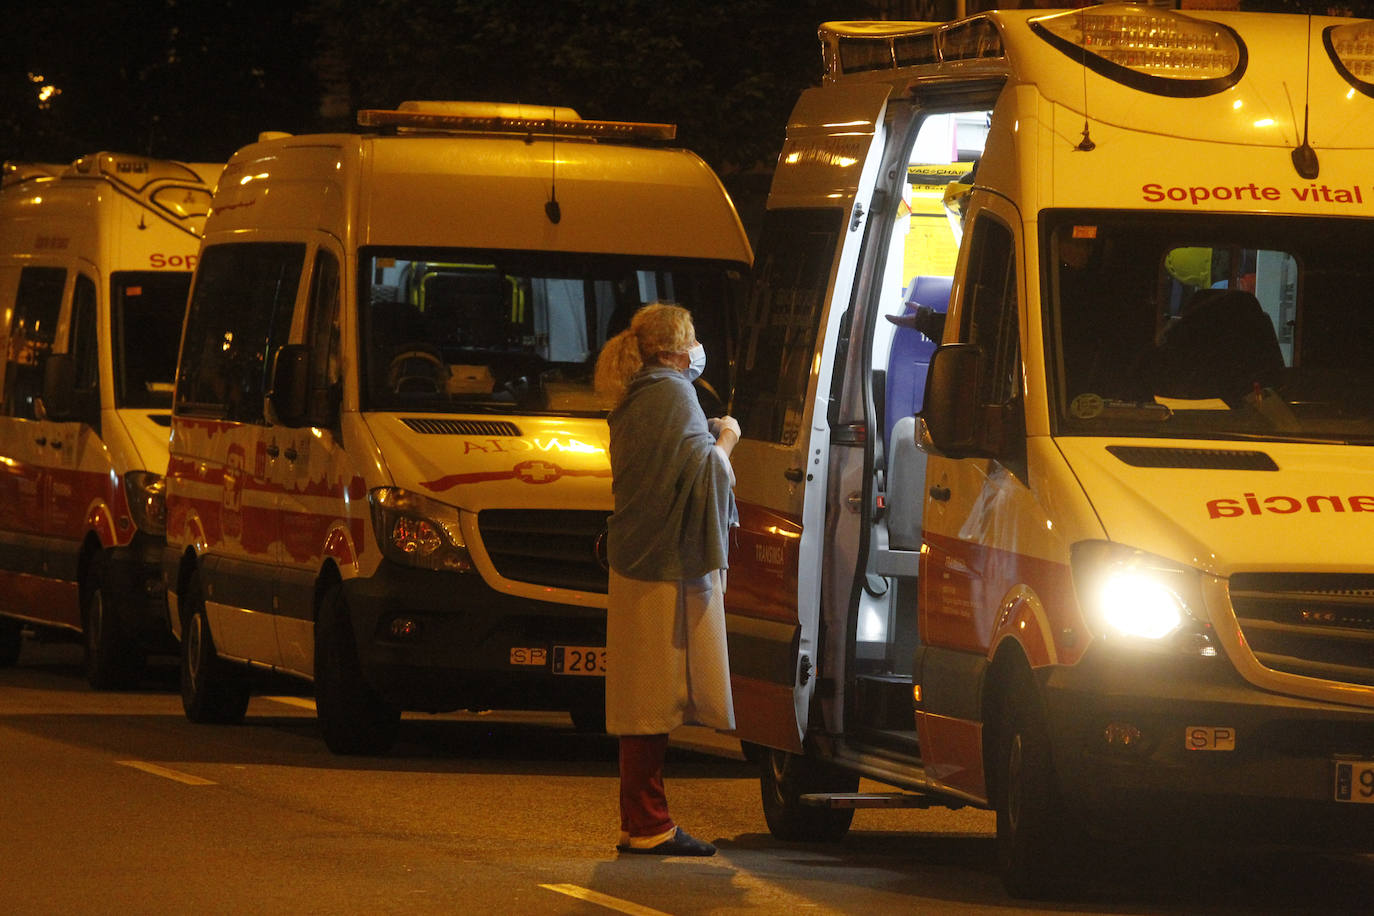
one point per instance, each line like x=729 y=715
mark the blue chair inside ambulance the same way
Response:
x=904 y=394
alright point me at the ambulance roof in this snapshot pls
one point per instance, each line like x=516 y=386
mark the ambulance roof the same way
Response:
x=1239 y=78
x=176 y=192
x=486 y=186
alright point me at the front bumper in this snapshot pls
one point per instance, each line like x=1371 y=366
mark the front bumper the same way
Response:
x=133 y=577
x=1271 y=778
x=471 y=646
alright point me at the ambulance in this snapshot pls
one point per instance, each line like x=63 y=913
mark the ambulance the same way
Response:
x=95 y=265
x=1101 y=561
x=388 y=469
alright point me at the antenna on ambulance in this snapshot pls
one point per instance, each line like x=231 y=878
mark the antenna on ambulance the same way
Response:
x=551 y=208
x=1086 y=145
x=1304 y=156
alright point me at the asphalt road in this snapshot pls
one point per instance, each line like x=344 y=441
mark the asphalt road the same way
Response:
x=114 y=803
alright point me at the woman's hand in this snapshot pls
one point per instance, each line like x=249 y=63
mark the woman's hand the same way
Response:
x=726 y=431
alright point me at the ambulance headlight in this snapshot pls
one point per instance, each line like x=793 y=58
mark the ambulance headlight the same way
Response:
x=147 y=501
x=1135 y=598
x=418 y=531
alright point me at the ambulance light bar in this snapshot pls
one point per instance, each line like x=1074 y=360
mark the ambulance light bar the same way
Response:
x=1351 y=48
x=858 y=47
x=526 y=126
x=1154 y=50
x=14 y=173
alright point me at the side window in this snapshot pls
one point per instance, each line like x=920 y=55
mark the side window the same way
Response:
x=32 y=332
x=240 y=311
x=325 y=370
x=989 y=310
x=778 y=327
x=82 y=346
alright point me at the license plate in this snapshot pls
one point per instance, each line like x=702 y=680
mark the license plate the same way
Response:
x=1355 y=781
x=582 y=661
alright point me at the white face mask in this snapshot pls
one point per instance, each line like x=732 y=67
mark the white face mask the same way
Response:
x=697 y=364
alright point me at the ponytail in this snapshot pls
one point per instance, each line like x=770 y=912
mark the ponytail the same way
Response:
x=618 y=361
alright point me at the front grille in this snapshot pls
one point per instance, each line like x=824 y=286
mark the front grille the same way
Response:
x=1316 y=625
x=557 y=548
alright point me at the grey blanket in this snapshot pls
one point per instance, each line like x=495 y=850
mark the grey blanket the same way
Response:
x=673 y=505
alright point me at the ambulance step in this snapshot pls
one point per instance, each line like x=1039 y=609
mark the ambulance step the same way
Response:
x=870 y=800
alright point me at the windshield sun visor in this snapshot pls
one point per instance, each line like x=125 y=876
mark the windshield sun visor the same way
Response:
x=1157 y=51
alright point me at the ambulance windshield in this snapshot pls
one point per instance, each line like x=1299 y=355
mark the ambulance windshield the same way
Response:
x=518 y=332
x=1211 y=326
x=145 y=321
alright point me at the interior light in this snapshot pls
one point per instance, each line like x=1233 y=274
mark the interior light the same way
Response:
x=1156 y=50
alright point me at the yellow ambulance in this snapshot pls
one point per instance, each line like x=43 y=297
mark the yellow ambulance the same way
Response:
x=95 y=265
x=1101 y=561
x=388 y=467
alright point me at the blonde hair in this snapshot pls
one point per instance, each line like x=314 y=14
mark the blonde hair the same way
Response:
x=656 y=328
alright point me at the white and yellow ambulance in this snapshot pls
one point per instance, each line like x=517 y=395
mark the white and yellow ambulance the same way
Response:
x=1126 y=581
x=388 y=468
x=95 y=265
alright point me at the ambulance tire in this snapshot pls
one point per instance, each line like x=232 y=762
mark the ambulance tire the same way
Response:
x=213 y=691
x=784 y=778
x=1037 y=846
x=11 y=641
x=353 y=716
x=112 y=660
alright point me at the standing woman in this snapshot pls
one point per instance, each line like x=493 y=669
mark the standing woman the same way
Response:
x=667 y=546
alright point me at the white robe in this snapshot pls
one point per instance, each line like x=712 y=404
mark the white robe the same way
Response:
x=666 y=656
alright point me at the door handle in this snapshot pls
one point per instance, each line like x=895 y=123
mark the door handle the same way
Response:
x=290 y=453
x=272 y=451
x=57 y=443
x=939 y=493
x=794 y=474
x=41 y=440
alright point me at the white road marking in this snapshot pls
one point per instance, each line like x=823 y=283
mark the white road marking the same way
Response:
x=610 y=903
x=174 y=775
x=302 y=702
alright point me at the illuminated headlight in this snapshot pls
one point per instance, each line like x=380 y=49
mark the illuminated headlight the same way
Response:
x=146 y=494
x=1137 y=598
x=418 y=531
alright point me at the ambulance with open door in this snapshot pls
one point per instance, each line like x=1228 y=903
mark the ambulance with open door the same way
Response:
x=1101 y=561
x=388 y=467
x=95 y=265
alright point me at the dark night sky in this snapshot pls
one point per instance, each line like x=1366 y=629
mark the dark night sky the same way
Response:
x=193 y=80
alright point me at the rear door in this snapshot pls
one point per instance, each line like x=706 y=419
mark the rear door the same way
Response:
x=789 y=334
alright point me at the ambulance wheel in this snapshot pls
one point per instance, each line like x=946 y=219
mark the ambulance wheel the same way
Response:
x=1036 y=842
x=112 y=659
x=11 y=641
x=784 y=778
x=354 y=718
x=213 y=691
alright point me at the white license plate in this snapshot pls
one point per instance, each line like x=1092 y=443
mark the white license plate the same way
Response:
x=1355 y=781
x=582 y=661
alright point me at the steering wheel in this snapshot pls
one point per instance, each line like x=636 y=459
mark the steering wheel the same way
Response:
x=417 y=369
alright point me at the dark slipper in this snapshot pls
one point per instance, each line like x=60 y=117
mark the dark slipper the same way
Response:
x=680 y=843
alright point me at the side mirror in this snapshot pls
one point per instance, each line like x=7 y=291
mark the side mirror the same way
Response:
x=290 y=392
x=59 y=387
x=956 y=424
